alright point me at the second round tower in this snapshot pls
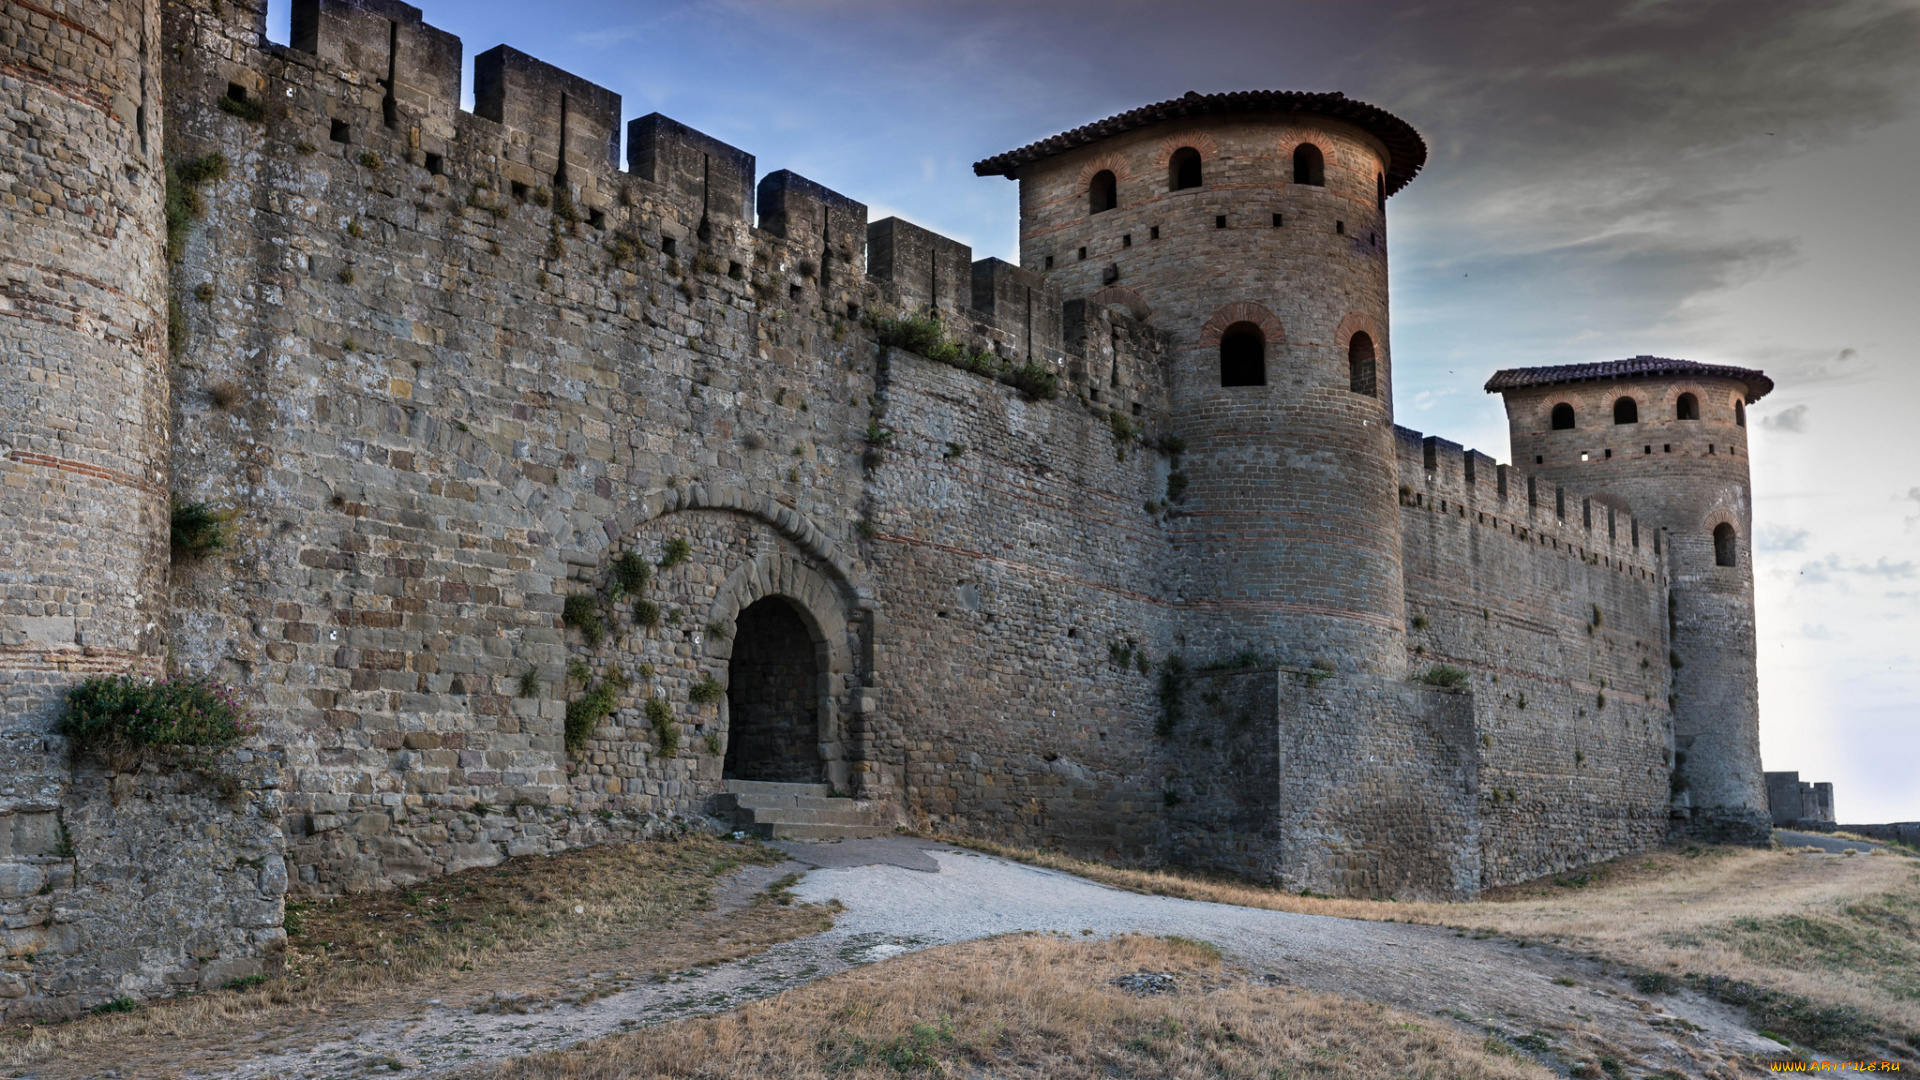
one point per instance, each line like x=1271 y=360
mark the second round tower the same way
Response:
x=1252 y=228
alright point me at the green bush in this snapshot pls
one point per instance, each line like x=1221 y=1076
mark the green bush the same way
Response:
x=1445 y=675
x=583 y=614
x=121 y=712
x=631 y=573
x=585 y=713
x=252 y=110
x=675 y=552
x=705 y=691
x=184 y=203
x=660 y=719
x=197 y=529
x=646 y=613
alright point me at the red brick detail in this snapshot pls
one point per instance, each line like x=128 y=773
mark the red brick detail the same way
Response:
x=1242 y=311
x=1354 y=323
x=1113 y=163
x=1199 y=140
x=113 y=476
x=1135 y=304
x=1291 y=138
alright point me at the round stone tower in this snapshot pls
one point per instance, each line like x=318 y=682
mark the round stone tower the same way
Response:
x=1667 y=440
x=83 y=357
x=1251 y=227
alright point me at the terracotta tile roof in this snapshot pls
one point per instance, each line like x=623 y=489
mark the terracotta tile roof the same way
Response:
x=1406 y=150
x=1639 y=367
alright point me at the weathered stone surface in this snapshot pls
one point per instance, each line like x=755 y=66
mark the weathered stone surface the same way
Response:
x=446 y=369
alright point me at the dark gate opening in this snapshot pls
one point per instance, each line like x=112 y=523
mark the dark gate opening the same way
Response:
x=772 y=691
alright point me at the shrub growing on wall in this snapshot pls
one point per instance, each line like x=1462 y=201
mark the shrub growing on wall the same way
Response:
x=121 y=714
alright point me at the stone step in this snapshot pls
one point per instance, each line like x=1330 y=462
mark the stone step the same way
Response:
x=736 y=801
x=786 y=831
x=793 y=815
x=767 y=787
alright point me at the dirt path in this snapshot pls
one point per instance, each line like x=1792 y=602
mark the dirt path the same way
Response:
x=904 y=894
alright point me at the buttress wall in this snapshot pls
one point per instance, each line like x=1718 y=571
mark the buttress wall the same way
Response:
x=1555 y=606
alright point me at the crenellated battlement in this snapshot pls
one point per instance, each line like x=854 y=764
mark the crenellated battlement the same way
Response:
x=1443 y=476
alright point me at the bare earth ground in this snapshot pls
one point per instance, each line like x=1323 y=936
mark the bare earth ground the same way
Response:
x=1550 y=986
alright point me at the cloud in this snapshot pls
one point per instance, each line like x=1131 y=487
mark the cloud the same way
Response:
x=1792 y=420
x=1832 y=568
x=1913 y=494
x=1774 y=537
x=1819 y=632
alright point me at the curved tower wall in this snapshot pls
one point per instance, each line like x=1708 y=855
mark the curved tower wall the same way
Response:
x=83 y=380
x=1288 y=536
x=1687 y=477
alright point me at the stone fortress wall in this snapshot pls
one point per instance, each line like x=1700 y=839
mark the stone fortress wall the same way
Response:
x=445 y=368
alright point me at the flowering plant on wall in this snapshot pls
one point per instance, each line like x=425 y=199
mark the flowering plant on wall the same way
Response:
x=124 y=713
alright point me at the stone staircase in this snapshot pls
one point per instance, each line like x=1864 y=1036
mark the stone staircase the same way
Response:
x=795 y=812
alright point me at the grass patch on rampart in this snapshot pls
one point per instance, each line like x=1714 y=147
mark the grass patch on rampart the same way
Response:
x=1032 y=1005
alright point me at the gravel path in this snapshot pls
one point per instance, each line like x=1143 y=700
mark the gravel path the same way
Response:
x=903 y=894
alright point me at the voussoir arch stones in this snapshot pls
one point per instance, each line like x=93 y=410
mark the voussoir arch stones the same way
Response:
x=788 y=522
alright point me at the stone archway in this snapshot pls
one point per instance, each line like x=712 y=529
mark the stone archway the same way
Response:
x=773 y=682
x=823 y=607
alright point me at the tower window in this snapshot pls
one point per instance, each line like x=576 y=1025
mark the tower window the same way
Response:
x=1362 y=371
x=1340 y=227
x=1049 y=262
x=1083 y=254
x=1725 y=547
x=1739 y=413
x=1126 y=241
x=1103 y=193
x=1309 y=165
x=340 y=132
x=1220 y=221
x=1626 y=411
x=1183 y=169
x=236 y=92
x=1563 y=417
x=1380 y=192
x=1243 y=356
x=1687 y=408
x=1153 y=233
x=1278 y=221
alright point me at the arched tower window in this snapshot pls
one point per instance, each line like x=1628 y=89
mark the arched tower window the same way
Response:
x=1626 y=411
x=1243 y=356
x=1739 y=413
x=1725 y=550
x=1309 y=165
x=1380 y=192
x=1362 y=372
x=1687 y=408
x=1183 y=169
x=1563 y=417
x=1103 y=193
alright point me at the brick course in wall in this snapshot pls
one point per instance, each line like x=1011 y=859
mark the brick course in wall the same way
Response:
x=446 y=370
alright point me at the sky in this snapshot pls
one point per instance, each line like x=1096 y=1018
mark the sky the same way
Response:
x=1730 y=181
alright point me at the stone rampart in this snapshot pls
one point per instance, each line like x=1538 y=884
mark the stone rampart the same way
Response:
x=1554 y=605
x=458 y=378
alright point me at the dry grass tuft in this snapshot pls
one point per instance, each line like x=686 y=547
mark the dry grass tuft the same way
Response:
x=1032 y=1006
x=1838 y=930
x=523 y=926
